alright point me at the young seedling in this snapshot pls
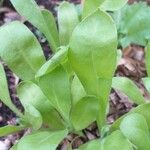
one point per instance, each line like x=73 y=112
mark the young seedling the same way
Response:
x=70 y=91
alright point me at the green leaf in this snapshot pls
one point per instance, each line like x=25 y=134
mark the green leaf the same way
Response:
x=4 y=92
x=130 y=24
x=119 y=55
x=42 y=140
x=33 y=117
x=51 y=24
x=77 y=90
x=20 y=50
x=1 y=2
x=67 y=20
x=56 y=86
x=143 y=110
x=134 y=127
x=9 y=129
x=115 y=141
x=113 y=5
x=55 y=61
x=126 y=86
x=90 y=6
x=147 y=83
x=94 y=144
x=84 y=112
x=86 y=55
x=43 y=20
x=14 y=147
x=147 y=59
x=30 y=93
x=107 y=5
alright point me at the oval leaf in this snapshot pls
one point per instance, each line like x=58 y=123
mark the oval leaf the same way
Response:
x=30 y=93
x=56 y=86
x=113 y=5
x=84 y=112
x=33 y=117
x=42 y=140
x=77 y=90
x=115 y=141
x=94 y=144
x=67 y=20
x=39 y=18
x=90 y=6
x=4 y=92
x=129 y=20
x=20 y=50
x=52 y=27
x=134 y=127
x=94 y=38
x=9 y=129
x=55 y=61
x=143 y=110
x=86 y=53
x=126 y=86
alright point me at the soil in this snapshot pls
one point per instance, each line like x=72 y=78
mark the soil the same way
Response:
x=131 y=65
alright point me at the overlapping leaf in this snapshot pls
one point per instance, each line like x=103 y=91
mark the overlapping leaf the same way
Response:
x=112 y=5
x=9 y=129
x=133 y=24
x=88 y=46
x=90 y=6
x=20 y=50
x=147 y=83
x=115 y=141
x=30 y=93
x=56 y=86
x=41 y=140
x=129 y=88
x=84 y=112
x=108 y=5
x=33 y=117
x=50 y=65
x=42 y=19
x=135 y=128
x=143 y=110
x=67 y=20
x=4 y=92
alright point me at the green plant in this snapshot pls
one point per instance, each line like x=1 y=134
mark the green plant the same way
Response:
x=69 y=91
x=132 y=23
x=1 y=2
